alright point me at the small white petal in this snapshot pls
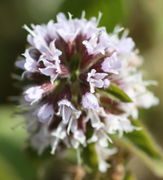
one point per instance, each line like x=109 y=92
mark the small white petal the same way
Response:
x=45 y=113
x=146 y=100
x=118 y=123
x=68 y=113
x=89 y=101
x=97 y=80
x=33 y=94
x=111 y=64
x=30 y=63
x=20 y=64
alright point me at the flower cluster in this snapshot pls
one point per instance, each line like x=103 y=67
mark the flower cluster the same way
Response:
x=83 y=85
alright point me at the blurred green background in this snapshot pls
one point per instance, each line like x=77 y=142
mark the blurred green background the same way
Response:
x=144 y=20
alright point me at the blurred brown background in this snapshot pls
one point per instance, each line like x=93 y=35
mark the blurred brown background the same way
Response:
x=142 y=17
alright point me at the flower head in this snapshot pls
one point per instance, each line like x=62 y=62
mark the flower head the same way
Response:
x=74 y=68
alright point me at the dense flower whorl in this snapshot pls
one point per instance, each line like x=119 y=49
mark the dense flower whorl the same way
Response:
x=72 y=65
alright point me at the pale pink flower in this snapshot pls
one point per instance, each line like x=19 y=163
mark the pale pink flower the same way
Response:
x=45 y=113
x=89 y=101
x=111 y=64
x=70 y=67
x=33 y=94
x=99 y=80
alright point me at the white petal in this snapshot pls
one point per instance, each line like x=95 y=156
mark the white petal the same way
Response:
x=33 y=94
x=89 y=101
x=20 y=64
x=111 y=64
x=48 y=71
x=45 y=113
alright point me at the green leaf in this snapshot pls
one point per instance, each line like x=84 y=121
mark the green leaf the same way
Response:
x=117 y=94
x=143 y=145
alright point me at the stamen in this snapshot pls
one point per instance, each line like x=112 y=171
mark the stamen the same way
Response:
x=99 y=17
x=29 y=30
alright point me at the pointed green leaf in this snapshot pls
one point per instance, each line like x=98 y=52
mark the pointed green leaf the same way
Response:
x=116 y=93
x=143 y=145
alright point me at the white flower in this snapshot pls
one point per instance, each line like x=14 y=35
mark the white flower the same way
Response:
x=93 y=116
x=68 y=113
x=33 y=94
x=118 y=123
x=70 y=28
x=45 y=113
x=41 y=139
x=58 y=134
x=41 y=35
x=99 y=43
x=111 y=64
x=20 y=64
x=124 y=45
x=136 y=88
x=66 y=28
x=65 y=63
x=103 y=154
x=146 y=100
x=30 y=63
x=78 y=135
x=130 y=109
x=93 y=47
x=97 y=80
x=52 y=53
x=51 y=62
x=51 y=69
x=89 y=101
